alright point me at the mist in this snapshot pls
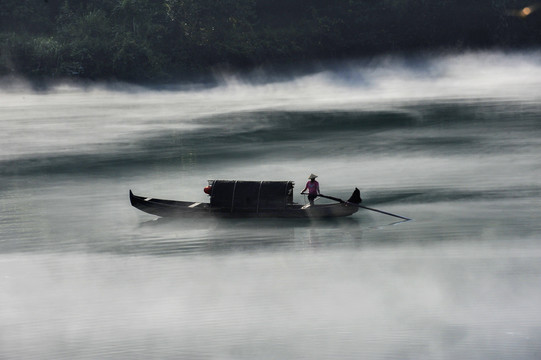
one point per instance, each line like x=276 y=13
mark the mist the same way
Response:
x=411 y=302
x=68 y=116
x=449 y=140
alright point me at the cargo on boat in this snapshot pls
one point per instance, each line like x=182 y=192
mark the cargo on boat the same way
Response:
x=236 y=198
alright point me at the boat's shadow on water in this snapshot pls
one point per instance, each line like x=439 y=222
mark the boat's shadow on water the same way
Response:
x=188 y=236
x=250 y=223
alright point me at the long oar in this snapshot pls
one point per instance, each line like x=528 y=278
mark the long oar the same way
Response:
x=365 y=207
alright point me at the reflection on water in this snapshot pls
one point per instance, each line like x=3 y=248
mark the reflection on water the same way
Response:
x=456 y=148
x=219 y=236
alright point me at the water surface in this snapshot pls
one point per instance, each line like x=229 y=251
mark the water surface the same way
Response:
x=451 y=142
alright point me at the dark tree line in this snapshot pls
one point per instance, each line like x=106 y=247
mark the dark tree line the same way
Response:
x=162 y=40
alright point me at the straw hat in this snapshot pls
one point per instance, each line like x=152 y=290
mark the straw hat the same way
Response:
x=312 y=176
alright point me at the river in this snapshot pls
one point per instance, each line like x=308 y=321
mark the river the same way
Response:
x=451 y=141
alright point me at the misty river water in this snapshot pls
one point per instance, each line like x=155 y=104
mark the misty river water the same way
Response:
x=452 y=142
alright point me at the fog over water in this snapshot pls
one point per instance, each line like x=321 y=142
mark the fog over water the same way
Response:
x=452 y=142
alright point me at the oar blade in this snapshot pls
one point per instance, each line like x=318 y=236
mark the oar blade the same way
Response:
x=356 y=199
x=384 y=212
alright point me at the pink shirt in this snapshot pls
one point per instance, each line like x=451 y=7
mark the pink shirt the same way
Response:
x=313 y=187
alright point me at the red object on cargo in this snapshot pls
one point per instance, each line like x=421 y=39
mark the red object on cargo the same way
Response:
x=207 y=189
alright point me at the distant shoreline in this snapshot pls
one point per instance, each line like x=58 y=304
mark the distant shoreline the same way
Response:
x=166 y=42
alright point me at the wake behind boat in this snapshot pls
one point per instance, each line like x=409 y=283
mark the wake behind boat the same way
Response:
x=235 y=198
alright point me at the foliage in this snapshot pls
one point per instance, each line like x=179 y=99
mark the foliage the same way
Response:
x=161 y=40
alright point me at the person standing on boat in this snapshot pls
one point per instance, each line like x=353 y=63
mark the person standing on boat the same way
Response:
x=313 y=188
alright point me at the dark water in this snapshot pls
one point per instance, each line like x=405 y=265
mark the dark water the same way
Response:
x=452 y=142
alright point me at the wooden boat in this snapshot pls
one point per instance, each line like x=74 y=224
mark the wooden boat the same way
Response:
x=231 y=198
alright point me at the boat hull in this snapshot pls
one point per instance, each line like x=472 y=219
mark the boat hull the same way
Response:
x=181 y=209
